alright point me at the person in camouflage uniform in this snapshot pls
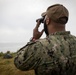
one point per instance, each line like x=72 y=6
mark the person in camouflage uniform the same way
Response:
x=53 y=55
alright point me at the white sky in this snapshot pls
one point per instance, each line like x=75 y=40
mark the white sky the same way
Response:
x=17 y=17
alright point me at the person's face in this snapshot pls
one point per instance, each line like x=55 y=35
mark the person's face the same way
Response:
x=45 y=26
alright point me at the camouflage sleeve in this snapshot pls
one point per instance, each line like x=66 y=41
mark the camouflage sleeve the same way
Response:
x=28 y=57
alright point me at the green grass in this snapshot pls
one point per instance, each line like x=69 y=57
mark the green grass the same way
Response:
x=7 y=67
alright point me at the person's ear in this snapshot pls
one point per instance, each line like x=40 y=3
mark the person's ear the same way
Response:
x=47 y=21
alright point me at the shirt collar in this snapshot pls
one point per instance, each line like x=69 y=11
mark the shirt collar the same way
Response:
x=61 y=33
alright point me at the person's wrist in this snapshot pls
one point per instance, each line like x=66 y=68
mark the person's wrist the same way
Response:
x=33 y=39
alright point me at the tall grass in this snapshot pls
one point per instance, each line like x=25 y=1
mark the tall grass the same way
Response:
x=7 y=68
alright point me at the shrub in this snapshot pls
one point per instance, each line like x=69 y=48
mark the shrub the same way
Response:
x=1 y=54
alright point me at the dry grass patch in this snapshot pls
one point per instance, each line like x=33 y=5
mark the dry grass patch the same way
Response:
x=7 y=67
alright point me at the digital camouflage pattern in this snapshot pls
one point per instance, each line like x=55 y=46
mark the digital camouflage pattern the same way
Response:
x=53 y=55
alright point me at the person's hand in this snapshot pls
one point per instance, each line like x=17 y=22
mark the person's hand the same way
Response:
x=36 y=33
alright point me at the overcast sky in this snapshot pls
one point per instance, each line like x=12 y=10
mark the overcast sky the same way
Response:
x=17 y=17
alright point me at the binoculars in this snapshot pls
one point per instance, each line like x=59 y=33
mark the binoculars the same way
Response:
x=41 y=20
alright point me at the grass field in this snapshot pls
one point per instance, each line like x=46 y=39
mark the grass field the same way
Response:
x=7 y=68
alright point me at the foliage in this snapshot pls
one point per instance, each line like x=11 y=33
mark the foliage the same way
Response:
x=1 y=54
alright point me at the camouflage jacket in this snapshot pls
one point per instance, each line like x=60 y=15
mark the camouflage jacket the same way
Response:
x=53 y=55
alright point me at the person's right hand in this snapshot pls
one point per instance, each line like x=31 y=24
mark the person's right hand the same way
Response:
x=36 y=33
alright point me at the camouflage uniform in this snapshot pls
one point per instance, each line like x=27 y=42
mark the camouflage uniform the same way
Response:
x=53 y=55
